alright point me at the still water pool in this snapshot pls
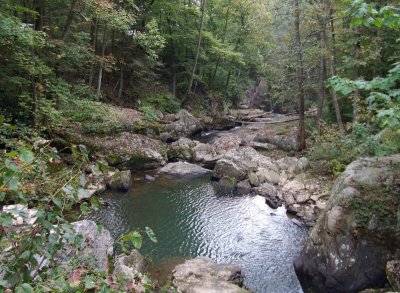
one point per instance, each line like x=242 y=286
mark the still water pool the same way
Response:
x=190 y=219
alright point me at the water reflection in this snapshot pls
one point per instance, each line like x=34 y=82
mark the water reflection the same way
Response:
x=190 y=219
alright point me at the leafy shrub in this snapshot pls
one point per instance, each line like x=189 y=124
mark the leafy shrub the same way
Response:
x=149 y=113
x=339 y=150
x=28 y=176
x=165 y=103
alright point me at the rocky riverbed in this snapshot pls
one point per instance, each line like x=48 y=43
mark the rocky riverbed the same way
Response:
x=351 y=227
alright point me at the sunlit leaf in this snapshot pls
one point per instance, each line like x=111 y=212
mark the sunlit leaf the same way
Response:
x=26 y=156
x=151 y=234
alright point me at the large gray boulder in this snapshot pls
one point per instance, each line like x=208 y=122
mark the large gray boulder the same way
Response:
x=284 y=142
x=202 y=275
x=120 y=180
x=229 y=168
x=182 y=149
x=129 y=265
x=358 y=233
x=97 y=243
x=128 y=151
x=123 y=150
x=186 y=125
x=183 y=169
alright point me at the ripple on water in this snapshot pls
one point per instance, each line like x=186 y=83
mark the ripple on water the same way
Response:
x=190 y=219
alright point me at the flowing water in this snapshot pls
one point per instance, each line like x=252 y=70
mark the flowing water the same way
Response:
x=190 y=219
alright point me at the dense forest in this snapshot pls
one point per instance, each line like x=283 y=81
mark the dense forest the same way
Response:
x=73 y=66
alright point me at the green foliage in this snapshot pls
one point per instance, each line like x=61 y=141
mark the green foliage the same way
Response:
x=33 y=176
x=151 y=40
x=134 y=239
x=166 y=103
x=339 y=151
x=149 y=112
x=383 y=95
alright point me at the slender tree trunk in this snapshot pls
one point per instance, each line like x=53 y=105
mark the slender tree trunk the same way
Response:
x=357 y=54
x=196 y=58
x=35 y=104
x=223 y=41
x=321 y=96
x=332 y=68
x=94 y=41
x=322 y=76
x=69 y=19
x=103 y=50
x=121 y=82
x=300 y=78
x=174 y=84
x=40 y=9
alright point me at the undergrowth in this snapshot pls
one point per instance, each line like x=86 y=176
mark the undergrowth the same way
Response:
x=339 y=150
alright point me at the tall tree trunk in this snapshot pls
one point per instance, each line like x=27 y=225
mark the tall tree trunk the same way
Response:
x=321 y=97
x=94 y=41
x=322 y=75
x=223 y=41
x=40 y=9
x=332 y=66
x=300 y=78
x=121 y=82
x=103 y=50
x=196 y=58
x=357 y=54
x=69 y=19
x=35 y=104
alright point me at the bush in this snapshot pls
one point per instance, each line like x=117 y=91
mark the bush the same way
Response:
x=32 y=174
x=339 y=150
x=165 y=103
x=149 y=112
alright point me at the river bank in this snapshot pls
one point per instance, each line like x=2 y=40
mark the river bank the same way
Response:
x=251 y=178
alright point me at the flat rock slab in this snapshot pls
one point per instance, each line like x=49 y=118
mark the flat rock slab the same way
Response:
x=183 y=169
x=202 y=275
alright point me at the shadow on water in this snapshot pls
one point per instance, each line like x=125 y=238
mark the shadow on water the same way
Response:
x=190 y=219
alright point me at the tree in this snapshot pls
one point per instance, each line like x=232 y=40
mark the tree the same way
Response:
x=199 y=38
x=300 y=77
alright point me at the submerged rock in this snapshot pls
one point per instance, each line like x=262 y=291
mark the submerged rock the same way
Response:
x=129 y=265
x=183 y=169
x=120 y=180
x=358 y=232
x=225 y=185
x=203 y=275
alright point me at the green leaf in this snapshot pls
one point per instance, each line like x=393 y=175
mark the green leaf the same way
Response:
x=58 y=202
x=151 y=234
x=25 y=288
x=26 y=156
x=12 y=154
x=89 y=283
x=136 y=239
x=95 y=203
x=103 y=167
x=3 y=283
x=26 y=255
x=14 y=184
x=6 y=220
x=85 y=208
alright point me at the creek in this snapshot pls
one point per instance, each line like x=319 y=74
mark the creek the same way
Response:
x=191 y=219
